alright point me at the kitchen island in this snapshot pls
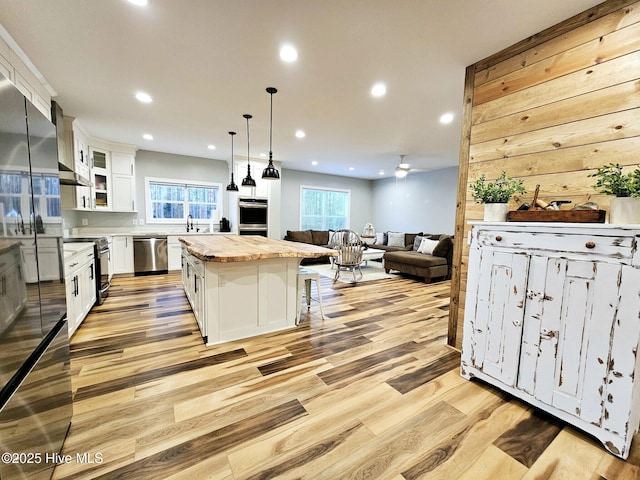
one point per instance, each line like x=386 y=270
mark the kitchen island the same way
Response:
x=241 y=286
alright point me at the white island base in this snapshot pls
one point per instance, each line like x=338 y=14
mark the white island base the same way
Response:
x=236 y=295
x=250 y=298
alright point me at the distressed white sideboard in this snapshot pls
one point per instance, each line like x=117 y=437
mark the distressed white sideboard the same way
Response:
x=552 y=316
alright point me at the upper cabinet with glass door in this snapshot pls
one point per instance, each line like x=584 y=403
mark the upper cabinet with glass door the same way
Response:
x=101 y=178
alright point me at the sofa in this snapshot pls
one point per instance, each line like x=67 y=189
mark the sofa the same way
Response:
x=434 y=260
x=313 y=237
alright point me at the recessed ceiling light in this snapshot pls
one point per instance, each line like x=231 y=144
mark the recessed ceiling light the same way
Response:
x=288 y=53
x=144 y=97
x=378 y=90
x=351 y=169
x=446 y=118
x=263 y=155
x=315 y=162
x=381 y=172
x=300 y=134
x=147 y=136
x=140 y=3
x=211 y=147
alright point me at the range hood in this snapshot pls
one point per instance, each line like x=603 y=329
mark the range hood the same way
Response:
x=67 y=177
x=66 y=163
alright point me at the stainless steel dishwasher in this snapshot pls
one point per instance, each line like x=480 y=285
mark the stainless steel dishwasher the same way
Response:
x=150 y=254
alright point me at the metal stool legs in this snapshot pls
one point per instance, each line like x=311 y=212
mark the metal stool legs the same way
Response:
x=307 y=275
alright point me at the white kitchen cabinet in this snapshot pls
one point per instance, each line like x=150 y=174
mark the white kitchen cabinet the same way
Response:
x=49 y=256
x=193 y=281
x=551 y=316
x=75 y=140
x=80 y=283
x=6 y=68
x=123 y=181
x=122 y=254
x=13 y=290
x=80 y=144
x=122 y=163
x=174 y=252
x=124 y=193
x=101 y=178
x=76 y=197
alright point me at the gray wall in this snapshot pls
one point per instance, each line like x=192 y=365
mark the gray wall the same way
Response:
x=159 y=165
x=361 y=197
x=423 y=201
x=178 y=167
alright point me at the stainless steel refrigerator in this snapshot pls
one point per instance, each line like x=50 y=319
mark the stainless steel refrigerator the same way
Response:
x=35 y=382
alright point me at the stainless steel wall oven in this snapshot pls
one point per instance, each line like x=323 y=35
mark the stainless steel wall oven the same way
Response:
x=253 y=214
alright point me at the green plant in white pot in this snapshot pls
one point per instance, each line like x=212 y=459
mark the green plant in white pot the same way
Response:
x=496 y=195
x=624 y=187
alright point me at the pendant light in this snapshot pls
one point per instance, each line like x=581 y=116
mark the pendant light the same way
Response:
x=232 y=187
x=248 y=181
x=271 y=173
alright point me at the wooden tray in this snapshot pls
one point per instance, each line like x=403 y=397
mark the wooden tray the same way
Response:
x=569 y=216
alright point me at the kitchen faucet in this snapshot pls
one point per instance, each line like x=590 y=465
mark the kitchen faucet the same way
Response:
x=189 y=225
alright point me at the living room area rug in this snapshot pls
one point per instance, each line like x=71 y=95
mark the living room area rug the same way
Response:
x=372 y=271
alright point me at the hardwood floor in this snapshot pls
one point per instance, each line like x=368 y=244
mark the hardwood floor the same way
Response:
x=370 y=392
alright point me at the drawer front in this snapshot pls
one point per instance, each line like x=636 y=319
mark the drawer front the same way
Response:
x=198 y=265
x=76 y=261
x=619 y=247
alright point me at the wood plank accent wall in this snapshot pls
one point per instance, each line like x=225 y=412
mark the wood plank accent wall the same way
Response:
x=550 y=110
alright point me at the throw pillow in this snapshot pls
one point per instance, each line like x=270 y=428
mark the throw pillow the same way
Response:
x=302 y=236
x=395 y=239
x=427 y=246
x=320 y=237
x=416 y=242
x=444 y=246
x=409 y=238
x=380 y=238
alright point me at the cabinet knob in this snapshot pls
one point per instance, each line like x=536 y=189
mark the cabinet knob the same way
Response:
x=590 y=244
x=498 y=238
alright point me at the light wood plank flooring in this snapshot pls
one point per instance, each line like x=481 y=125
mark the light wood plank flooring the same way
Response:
x=370 y=392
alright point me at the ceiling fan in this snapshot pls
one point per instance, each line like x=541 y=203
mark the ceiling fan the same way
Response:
x=403 y=168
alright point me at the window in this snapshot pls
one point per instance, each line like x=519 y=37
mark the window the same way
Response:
x=46 y=196
x=169 y=201
x=324 y=209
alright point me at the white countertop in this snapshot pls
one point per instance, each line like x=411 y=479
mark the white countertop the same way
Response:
x=71 y=249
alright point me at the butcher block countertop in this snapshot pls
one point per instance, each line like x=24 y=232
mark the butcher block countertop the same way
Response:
x=246 y=248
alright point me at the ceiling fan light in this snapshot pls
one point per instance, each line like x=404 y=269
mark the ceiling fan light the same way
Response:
x=401 y=172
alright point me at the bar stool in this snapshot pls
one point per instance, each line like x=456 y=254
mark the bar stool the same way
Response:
x=306 y=276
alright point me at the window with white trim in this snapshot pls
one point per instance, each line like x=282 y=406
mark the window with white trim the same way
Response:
x=324 y=208
x=46 y=195
x=171 y=201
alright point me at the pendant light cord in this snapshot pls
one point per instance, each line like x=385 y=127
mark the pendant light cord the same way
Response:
x=248 y=157
x=270 y=127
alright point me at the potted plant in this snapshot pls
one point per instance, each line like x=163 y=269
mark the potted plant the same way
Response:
x=625 y=207
x=496 y=195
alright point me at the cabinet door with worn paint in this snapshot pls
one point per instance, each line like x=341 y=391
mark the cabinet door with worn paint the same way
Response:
x=576 y=325
x=622 y=392
x=497 y=314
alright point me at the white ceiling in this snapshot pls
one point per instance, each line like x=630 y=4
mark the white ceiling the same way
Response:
x=207 y=62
